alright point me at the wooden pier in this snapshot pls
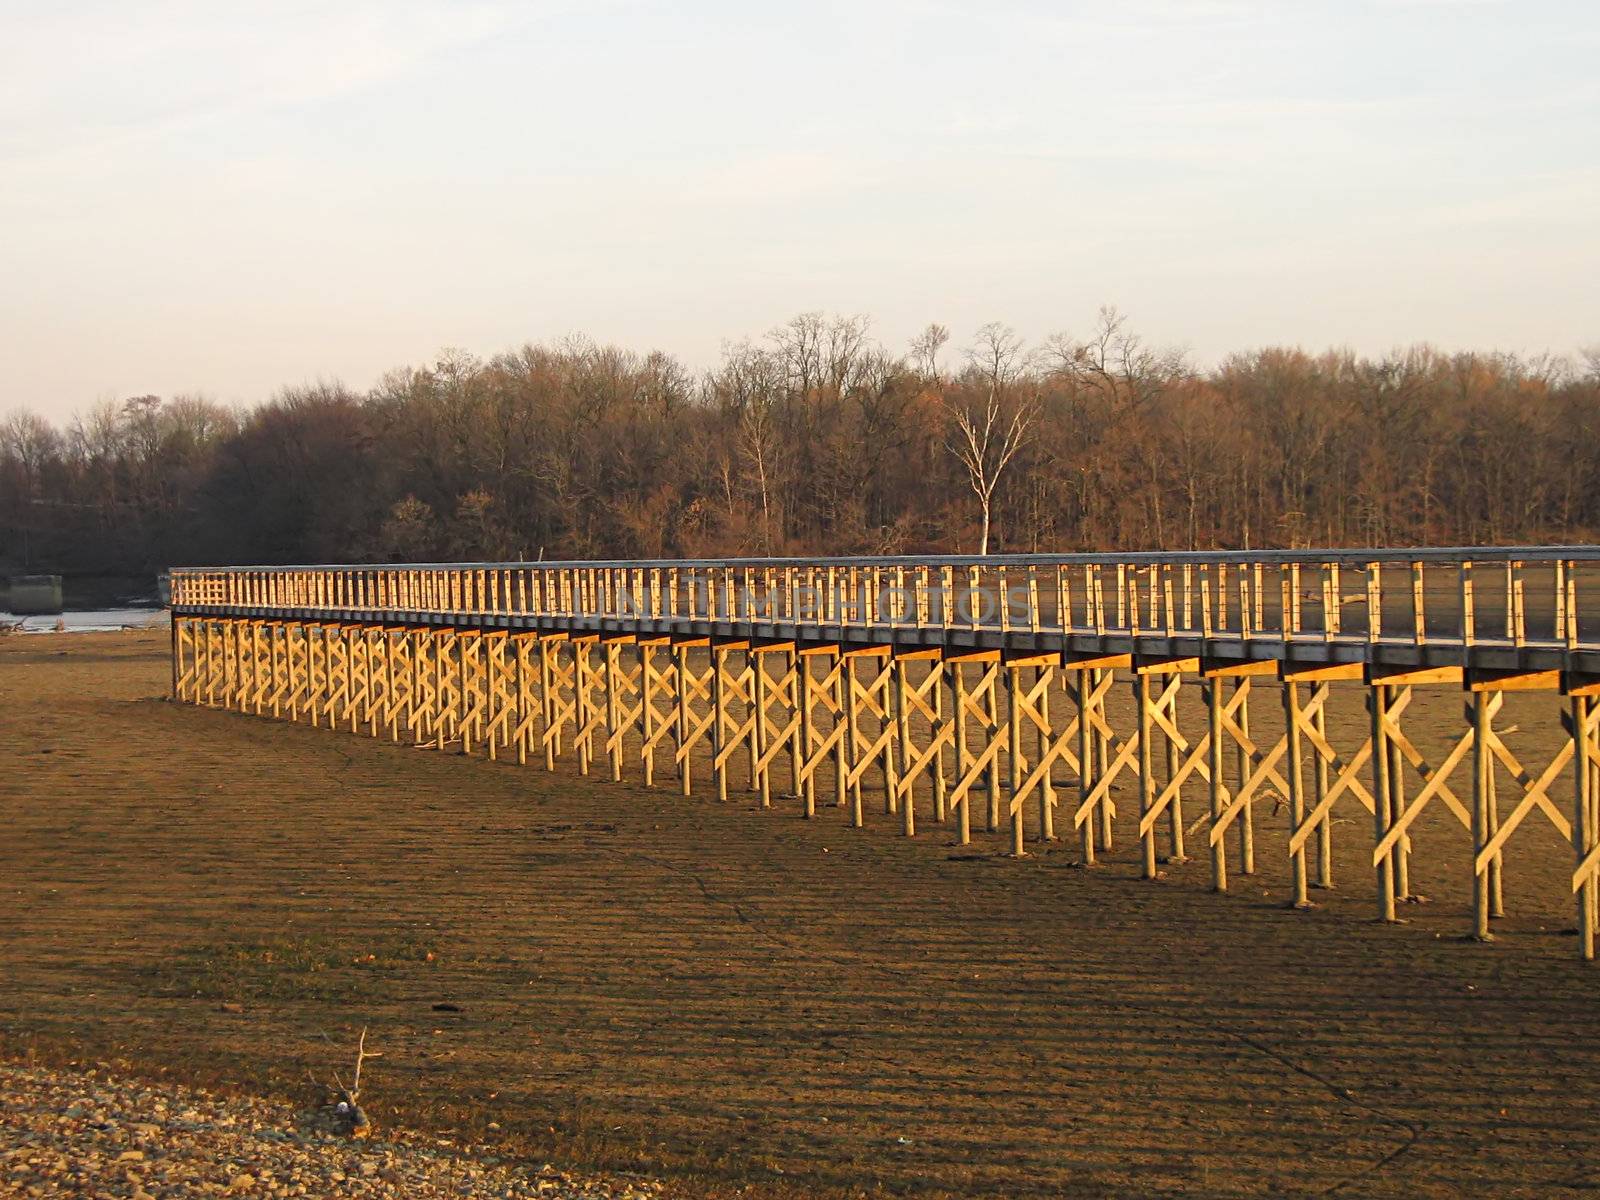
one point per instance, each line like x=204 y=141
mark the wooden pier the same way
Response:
x=933 y=685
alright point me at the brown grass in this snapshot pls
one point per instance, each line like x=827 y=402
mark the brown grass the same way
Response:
x=750 y=1003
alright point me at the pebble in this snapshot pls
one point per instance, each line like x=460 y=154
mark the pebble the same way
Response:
x=61 y=1130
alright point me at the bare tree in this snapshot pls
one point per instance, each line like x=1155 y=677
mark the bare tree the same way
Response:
x=344 y=1115
x=988 y=434
x=749 y=385
x=1114 y=361
x=925 y=349
x=757 y=435
x=817 y=440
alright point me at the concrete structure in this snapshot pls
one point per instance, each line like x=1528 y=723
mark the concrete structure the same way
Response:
x=35 y=595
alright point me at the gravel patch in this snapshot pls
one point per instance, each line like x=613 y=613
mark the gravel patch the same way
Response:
x=90 y=1134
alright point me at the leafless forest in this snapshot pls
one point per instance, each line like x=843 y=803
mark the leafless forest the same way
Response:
x=816 y=439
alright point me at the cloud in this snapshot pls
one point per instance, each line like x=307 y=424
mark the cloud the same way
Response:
x=77 y=79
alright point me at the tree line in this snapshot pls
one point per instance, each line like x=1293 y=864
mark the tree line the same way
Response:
x=819 y=439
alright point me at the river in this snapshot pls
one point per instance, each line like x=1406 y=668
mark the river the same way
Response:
x=89 y=620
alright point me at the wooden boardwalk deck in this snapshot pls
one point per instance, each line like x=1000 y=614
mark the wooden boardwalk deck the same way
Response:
x=934 y=677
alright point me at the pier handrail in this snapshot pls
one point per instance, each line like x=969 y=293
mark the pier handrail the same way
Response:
x=1512 y=596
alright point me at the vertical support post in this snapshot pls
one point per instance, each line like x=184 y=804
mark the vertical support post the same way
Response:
x=295 y=649
x=958 y=683
x=209 y=653
x=850 y=745
x=899 y=750
x=992 y=710
x=520 y=727
x=447 y=693
x=719 y=718
x=1583 y=830
x=647 y=711
x=807 y=779
x=1482 y=766
x=941 y=802
x=459 y=696
x=547 y=703
x=386 y=647
x=1175 y=805
x=757 y=716
x=844 y=750
x=1297 y=796
x=1497 y=895
x=887 y=727
x=1594 y=816
x=761 y=774
x=293 y=666
x=249 y=664
x=177 y=657
x=1043 y=677
x=399 y=687
x=580 y=688
x=1378 y=707
x=800 y=739
x=680 y=655
x=229 y=660
x=1246 y=818
x=468 y=685
x=316 y=638
x=429 y=734
x=613 y=653
x=1141 y=692
x=1397 y=808
x=1319 y=783
x=1212 y=687
x=359 y=669
x=1086 y=774
x=1102 y=758
x=1014 y=755
x=265 y=662
x=336 y=669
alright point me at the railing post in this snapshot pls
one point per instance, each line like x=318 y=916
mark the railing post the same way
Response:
x=1285 y=589
x=1294 y=599
x=1330 y=601
x=1374 y=602
x=1419 y=618
x=1518 y=620
x=1570 y=605
x=1246 y=632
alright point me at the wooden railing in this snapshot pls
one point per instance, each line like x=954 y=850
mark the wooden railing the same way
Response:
x=1517 y=596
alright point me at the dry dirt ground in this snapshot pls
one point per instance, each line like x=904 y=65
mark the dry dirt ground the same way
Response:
x=601 y=976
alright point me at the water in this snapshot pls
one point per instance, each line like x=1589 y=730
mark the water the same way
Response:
x=90 y=620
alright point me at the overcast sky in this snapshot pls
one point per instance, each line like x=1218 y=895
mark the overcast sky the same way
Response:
x=227 y=197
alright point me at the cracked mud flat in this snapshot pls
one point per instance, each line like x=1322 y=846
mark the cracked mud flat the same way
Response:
x=744 y=1003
